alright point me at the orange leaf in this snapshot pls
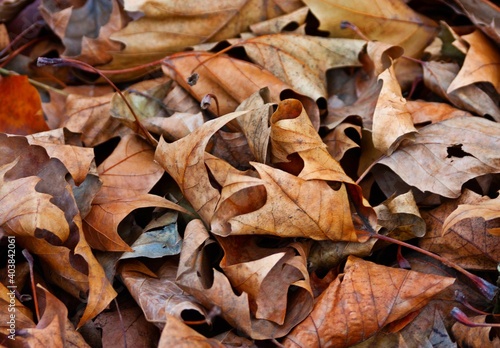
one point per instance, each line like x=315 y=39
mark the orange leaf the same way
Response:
x=362 y=301
x=21 y=108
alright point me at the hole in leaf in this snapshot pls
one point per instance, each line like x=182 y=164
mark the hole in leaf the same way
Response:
x=456 y=151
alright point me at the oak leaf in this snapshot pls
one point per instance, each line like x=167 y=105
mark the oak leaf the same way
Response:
x=363 y=300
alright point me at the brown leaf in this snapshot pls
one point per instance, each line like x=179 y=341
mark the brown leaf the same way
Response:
x=54 y=328
x=127 y=176
x=85 y=30
x=339 y=142
x=90 y=116
x=462 y=238
x=482 y=63
x=178 y=334
x=169 y=27
x=21 y=108
x=184 y=161
x=392 y=122
x=279 y=24
x=362 y=301
x=78 y=160
x=482 y=13
x=301 y=61
x=438 y=76
x=230 y=80
x=423 y=112
x=388 y=21
x=401 y=217
x=484 y=207
x=158 y=295
x=445 y=155
x=212 y=288
x=475 y=336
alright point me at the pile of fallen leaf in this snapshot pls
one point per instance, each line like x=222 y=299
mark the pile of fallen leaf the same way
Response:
x=249 y=173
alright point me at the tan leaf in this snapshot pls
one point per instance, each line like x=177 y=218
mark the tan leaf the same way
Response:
x=78 y=160
x=230 y=80
x=392 y=122
x=484 y=207
x=389 y=21
x=278 y=24
x=127 y=175
x=482 y=13
x=212 y=288
x=294 y=207
x=54 y=328
x=362 y=301
x=445 y=155
x=423 y=112
x=438 y=76
x=169 y=27
x=158 y=295
x=301 y=61
x=266 y=274
x=177 y=334
x=90 y=116
x=482 y=63
x=339 y=142
x=401 y=217
x=85 y=30
x=462 y=238
x=184 y=161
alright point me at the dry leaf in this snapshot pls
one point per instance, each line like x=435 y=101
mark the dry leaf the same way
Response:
x=158 y=295
x=390 y=21
x=362 y=301
x=462 y=238
x=482 y=63
x=445 y=155
x=21 y=108
x=392 y=122
x=127 y=175
x=475 y=336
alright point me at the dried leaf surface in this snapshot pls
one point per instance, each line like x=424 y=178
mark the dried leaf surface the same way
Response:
x=362 y=301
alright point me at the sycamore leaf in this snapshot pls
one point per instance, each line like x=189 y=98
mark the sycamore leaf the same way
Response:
x=482 y=63
x=389 y=21
x=363 y=300
x=21 y=108
x=127 y=176
x=445 y=155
